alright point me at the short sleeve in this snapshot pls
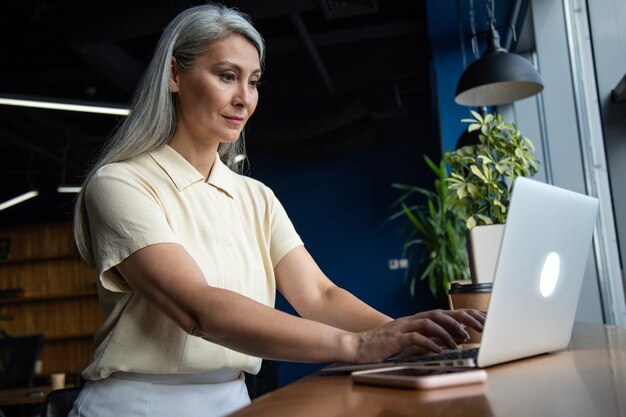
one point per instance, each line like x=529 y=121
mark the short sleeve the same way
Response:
x=283 y=235
x=124 y=216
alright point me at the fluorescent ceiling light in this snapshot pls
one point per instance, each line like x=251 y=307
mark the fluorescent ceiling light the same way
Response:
x=68 y=189
x=17 y=200
x=85 y=108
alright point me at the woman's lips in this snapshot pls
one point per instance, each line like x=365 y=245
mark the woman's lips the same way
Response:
x=234 y=120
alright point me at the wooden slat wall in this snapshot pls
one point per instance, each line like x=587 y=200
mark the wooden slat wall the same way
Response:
x=40 y=241
x=60 y=299
x=62 y=276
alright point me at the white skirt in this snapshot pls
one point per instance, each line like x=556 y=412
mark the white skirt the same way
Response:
x=126 y=394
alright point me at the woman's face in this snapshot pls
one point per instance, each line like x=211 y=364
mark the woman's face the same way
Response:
x=218 y=94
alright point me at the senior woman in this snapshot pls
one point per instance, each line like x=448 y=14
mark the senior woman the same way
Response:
x=189 y=253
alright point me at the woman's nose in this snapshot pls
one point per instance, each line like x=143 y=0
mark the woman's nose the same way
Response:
x=243 y=96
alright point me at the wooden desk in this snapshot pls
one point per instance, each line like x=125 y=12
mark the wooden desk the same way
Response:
x=21 y=396
x=587 y=379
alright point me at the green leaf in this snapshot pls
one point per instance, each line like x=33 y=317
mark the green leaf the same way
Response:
x=472 y=189
x=476 y=171
x=473 y=127
x=470 y=223
x=477 y=116
x=485 y=219
x=461 y=192
x=436 y=169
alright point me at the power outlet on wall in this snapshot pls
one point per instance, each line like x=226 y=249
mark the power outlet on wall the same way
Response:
x=401 y=263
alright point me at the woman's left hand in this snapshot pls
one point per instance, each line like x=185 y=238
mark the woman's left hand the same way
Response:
x=467 y=317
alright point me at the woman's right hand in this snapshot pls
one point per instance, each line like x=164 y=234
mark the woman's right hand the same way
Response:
x=416 y=331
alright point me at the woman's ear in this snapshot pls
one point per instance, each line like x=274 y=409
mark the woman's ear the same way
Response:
x=174 y=72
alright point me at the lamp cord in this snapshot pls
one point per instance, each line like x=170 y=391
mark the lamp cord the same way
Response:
x=491 y=12
x=461 y=33
x=472 y=16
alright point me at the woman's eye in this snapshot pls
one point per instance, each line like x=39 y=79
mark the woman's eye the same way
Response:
x=255 y=83
x=228 y=76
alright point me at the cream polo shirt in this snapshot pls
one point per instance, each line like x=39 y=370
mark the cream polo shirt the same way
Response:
x=234 y=228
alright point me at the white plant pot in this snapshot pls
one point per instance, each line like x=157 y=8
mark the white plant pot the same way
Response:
x=483 y=247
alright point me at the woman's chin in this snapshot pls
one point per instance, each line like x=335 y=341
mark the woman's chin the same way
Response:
x=227 y=135
x=230 y=139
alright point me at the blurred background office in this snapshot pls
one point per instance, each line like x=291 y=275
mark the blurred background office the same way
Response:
x=354 y=94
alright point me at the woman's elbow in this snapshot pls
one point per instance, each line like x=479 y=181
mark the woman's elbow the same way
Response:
x=195 y=326
x=191 y=327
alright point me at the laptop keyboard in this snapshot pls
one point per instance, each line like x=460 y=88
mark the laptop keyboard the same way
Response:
x=451 y=355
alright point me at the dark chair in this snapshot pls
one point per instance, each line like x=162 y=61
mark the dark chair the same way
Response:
x=58 y=403
x=18 y=356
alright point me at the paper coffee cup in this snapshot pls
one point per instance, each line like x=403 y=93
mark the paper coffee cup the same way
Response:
x=57 y=381
x=474 y=296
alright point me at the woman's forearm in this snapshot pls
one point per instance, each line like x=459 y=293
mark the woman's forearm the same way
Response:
x=239 y=323
x=339 y=308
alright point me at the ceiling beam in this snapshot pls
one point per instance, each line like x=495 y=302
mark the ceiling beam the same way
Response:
x=305 y=37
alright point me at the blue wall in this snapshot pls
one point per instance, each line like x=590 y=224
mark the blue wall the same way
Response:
x=448 y=67
x=339 y=204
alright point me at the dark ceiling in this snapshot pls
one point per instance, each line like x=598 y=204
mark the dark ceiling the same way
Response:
x=336 y=73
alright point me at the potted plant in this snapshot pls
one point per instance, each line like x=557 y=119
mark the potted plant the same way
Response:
x=436 y=237
x=480 y=184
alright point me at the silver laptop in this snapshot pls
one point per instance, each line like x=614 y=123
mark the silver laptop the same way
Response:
x=541 y=265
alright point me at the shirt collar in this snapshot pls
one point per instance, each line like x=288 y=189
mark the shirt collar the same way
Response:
x=221 y=177
x=183 y=174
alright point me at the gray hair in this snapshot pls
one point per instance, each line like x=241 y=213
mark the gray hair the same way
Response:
x=152 y=120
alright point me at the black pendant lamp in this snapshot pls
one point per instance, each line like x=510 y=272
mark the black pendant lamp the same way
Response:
x=498 y=77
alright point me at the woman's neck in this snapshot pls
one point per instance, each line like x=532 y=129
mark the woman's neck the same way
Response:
x=200 y=155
